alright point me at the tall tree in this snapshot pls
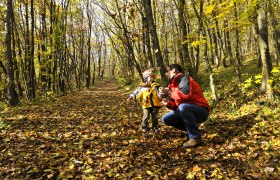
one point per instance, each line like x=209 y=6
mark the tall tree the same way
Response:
x=152 y=28
x=237 y=43
x=201 y=33
x=17 y=53
x=147 y=41
x=31 y=67
x=89 y=17
x=11 y=93
x=183 y=27
x=43 y=57
x=264 y=49
x=273 y=7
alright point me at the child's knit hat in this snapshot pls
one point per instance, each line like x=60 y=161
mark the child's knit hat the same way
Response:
x=147 y=73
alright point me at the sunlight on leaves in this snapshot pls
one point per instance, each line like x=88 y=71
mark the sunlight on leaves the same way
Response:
x=190 y=175
x=197 y=43
x=209 y=9
x=196 y=169
x=90 y=161
x=275 y=70
x=71 y=166
x=211 y=136
x=89 y=170
x=149 y=172
x=269 y=169
x=258 y=78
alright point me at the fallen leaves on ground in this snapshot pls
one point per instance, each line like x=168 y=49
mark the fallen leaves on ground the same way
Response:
x=94 y=134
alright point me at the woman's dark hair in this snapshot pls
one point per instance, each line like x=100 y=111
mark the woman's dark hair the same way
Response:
x=177 y=67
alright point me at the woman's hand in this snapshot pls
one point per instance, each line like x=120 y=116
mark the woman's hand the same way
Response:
x=165 y=91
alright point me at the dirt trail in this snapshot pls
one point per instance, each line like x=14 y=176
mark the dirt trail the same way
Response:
x=94 y=134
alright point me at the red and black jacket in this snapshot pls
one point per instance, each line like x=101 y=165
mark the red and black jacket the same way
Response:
x=194 y=94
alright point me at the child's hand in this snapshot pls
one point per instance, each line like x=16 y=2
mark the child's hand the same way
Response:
x=129 y=99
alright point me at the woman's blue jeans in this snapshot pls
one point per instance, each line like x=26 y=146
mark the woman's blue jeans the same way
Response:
x=186 y=117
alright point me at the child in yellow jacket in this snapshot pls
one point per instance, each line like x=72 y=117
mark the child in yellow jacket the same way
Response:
x=150 y=104
x=150 y=99
x=147 y=91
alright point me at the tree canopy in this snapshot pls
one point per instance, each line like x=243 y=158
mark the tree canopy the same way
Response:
x=54 y=47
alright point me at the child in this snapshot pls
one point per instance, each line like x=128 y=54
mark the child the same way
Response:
x=148 y=93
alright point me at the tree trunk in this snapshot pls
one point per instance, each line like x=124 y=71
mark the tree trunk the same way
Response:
x=81 y=57
x=43 y=61
x=184 y=45
x=147 y=42
x=237 y=53
x=227 y=43
x=50 y=77
x=220 y=52
x=99 y=59
x=29 y=71
x=152 y=28
x=264 y=50
x=275 y=32
x=15 y=49
x=213 y=89
x=93 y=74
x=10 y=90
x=32 y=50
x=89 y=46
x=201 y=32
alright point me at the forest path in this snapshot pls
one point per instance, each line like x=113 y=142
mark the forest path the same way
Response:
x=94 y=134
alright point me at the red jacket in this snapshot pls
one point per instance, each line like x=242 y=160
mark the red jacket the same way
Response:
x=195 y=95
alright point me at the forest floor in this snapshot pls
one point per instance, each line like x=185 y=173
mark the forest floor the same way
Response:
x=94 y=134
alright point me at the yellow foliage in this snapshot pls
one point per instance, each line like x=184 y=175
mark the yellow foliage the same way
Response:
x=197 y=43
x=209 y=9
x=149 y=172
x=71 y=166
